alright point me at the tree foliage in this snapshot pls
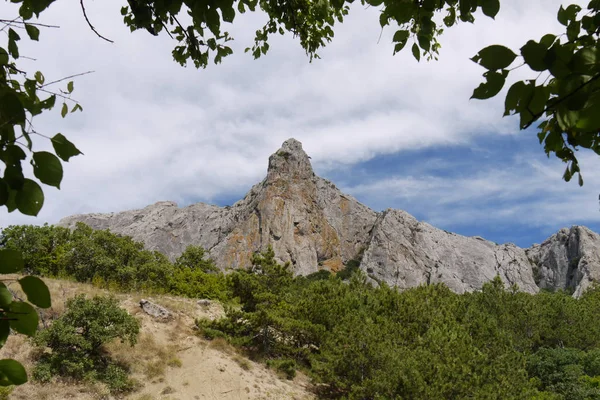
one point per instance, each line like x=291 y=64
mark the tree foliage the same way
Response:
x=113 y=261
x=361 y=342
x=76 y=341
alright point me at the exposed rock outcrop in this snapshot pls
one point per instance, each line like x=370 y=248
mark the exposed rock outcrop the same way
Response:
x=306 y=219
x=404 y=252
x=155 y=310
x=569 y=260
x=312 y=225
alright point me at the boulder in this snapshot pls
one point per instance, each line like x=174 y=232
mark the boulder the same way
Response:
x=155 y=310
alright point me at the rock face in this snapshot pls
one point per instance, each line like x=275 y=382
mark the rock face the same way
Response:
x=312 y=225
x=569 y=259
x=306 y=219
x=404 y=252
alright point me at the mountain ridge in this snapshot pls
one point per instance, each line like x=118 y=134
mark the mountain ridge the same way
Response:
x=310 y=223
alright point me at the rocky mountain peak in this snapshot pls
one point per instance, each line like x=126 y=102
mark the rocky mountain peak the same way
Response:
x=289 y=162
x=311 y=225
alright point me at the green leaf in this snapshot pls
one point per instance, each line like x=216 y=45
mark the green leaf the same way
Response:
x=76 y=107
x=11 y=108
x=589 y=118
x=573 y=30
x=39 y=77
x=465 y=10
x=30 y=198
x=491 y=87
x=566 y=118
x=401 y=37
x=3 y=192
x=70 y=87
x=3 y=56
x=12 y=35
x=228 y=14
x=5 y=296
x=383 y=19
x=213 y=21
x=13 y=49
x=548 y=40
x=4 y=331
x=490 y=7
x=13 y=155
x=38 y=6
x=534 y=54
x=13 y=176
x=11 y=203
x=36 y=290
x=568 y=14
x=64 y=111
x=495 y=57
x=563 y=16
x=555 y=61
x=585 y=61
x=33 y=32
x=12 y=373
x=23 y=318
x=47 y=168
x=416 y=52
x=11 y=261
x=513 y=97
x=63 y=148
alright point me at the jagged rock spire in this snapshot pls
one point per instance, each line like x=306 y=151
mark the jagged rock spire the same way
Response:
x=290 y=162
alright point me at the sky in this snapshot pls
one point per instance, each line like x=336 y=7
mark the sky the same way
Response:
x=390 y=131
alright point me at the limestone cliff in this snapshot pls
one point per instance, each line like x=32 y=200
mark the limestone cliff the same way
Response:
x=306 y=219
x=312 y=225
x=405 y=253
x=569 y=259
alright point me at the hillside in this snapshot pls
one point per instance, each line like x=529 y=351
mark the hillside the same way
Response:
x=314 y=226
x=170 y=360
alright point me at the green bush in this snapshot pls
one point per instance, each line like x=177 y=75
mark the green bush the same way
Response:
x=194 y=257
x=349 y=269
x=285 y=366
x=76 y=341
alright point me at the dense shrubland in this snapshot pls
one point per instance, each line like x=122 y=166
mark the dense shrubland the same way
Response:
x=113 y=261
x=354 y=340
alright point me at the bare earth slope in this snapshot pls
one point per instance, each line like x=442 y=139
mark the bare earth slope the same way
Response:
x=313 y=225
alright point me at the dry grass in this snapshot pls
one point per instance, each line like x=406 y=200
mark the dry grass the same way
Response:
x=175 y=363
x=244 y=363
x=147 y=357
x=222 y=345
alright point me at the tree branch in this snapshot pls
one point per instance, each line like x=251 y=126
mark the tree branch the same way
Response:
x=535 y=117
x=65 y=78
x=90 y=24
x=28 y=23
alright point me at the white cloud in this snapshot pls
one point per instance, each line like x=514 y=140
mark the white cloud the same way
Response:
x=152 y=130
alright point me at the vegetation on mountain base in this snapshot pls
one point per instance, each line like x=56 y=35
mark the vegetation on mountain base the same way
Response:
x=360 y=342
x=354 y=340
x=112 y=261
